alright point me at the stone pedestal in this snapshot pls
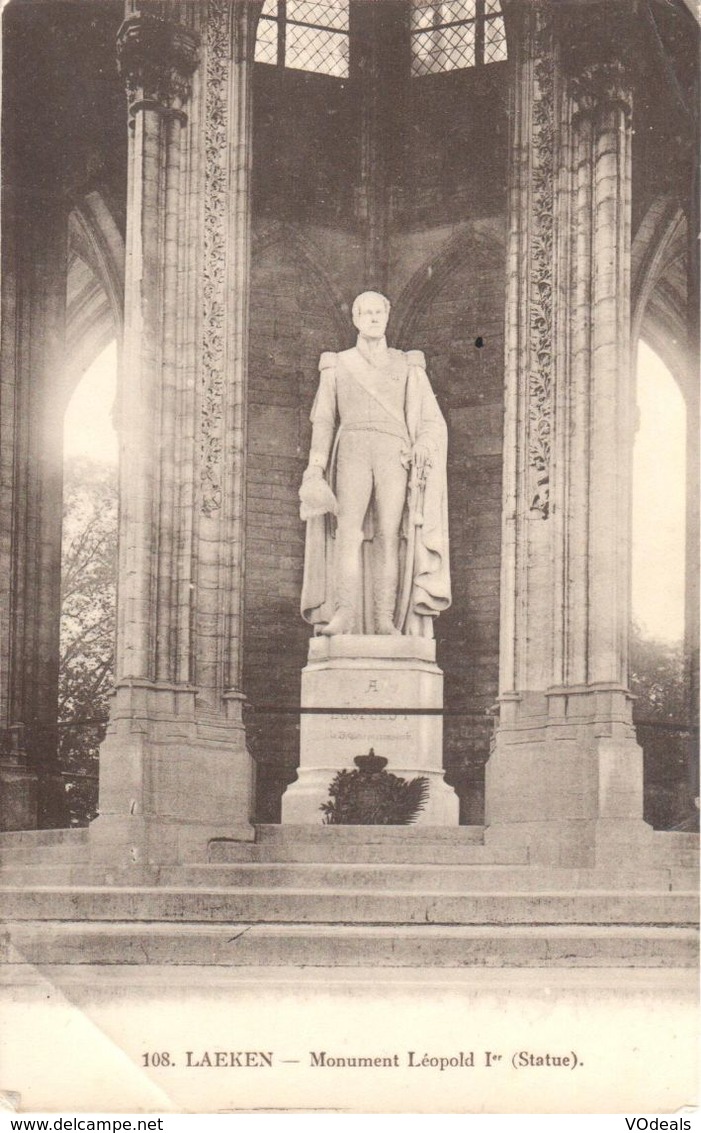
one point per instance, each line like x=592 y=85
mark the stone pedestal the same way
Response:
x=361 y=692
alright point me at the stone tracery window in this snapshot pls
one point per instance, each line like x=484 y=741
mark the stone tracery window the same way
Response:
x=455 y=34
x=304 y=35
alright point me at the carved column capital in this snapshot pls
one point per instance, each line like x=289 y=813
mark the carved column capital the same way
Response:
x=603 y=85
x=156 y=60
x=599 y=45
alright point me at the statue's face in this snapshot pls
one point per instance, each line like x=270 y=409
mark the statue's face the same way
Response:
x=371 y=319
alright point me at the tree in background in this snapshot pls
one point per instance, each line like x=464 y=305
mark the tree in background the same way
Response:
x=661 y=713
x=88 y=603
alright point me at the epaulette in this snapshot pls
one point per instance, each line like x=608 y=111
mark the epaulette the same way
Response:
x=328 y=360
x=416 y=358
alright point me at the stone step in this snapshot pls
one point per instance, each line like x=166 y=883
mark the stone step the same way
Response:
x=364 y=835
x=425 y=877
x=62 y=853
x=425 y=946
x=358 y=875
x=437 y=845
x=394 y=844
x=317 y=852
x=349 y=906
x=9 y=838
x=36 y=847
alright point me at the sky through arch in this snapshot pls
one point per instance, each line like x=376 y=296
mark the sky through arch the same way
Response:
x=659 y=501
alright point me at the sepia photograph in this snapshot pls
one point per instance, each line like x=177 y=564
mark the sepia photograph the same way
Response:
x=349 y=540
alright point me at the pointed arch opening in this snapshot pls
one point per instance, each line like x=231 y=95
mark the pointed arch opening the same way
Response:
x=659 y=676
x=88 y=580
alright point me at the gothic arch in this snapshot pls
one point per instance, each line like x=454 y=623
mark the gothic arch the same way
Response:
x=427 y=281
x=95 y=286
x=290 y=237
x=659 y=288
x=660 y=302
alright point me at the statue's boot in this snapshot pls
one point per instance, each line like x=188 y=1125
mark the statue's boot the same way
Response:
x=345 y=618
x=343 y=621
x=385 y=598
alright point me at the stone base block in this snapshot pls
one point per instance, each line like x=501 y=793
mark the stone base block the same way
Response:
x=18 y=797
x=164 y=800
x=361 y=692
x=52 y=801
x=572 y=803
x=137 y=841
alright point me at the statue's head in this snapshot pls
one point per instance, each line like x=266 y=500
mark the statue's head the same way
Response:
x=370 y=314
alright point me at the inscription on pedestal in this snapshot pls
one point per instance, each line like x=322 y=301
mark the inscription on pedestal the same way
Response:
x=336 y=739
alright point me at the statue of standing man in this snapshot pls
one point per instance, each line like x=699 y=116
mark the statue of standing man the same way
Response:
x=374 y=494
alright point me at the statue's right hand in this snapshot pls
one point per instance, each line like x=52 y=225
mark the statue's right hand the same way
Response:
x=315 y=495
x=312 y=472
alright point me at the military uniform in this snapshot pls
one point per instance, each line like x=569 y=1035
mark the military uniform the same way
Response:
x=371 y=409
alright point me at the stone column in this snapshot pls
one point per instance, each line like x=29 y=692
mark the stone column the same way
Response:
x=31 y=473
x=175 y=771
x=565 y=775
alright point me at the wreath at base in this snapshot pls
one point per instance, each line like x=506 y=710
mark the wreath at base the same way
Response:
x=371 y=796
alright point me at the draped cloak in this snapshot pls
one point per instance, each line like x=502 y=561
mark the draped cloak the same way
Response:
x=429 y=569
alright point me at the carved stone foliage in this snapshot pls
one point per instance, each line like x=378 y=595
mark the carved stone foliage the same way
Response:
x=541 y=266
x=156 y=59
x=214 y=266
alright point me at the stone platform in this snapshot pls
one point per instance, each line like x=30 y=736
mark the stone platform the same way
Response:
x=326 y=896
x=369 y=940
x=370 y=691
